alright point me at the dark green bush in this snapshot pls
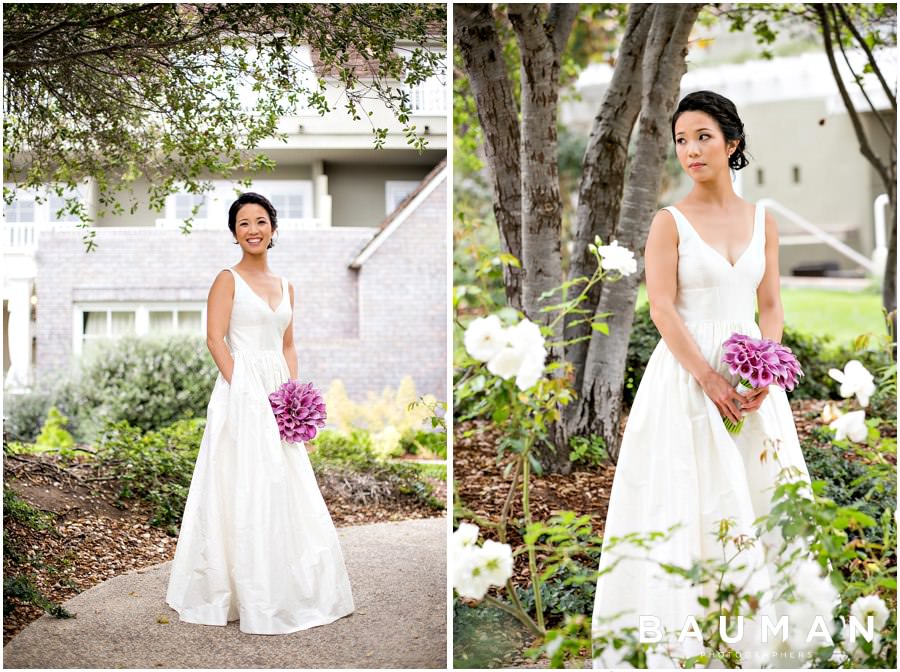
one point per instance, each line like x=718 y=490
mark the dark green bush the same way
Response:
x=154 y=467
x=850 y=481
x=147 y=383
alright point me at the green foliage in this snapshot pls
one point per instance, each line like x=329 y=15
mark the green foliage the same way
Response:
x=22 y=588
x=147 y=383
x=53 y=434
x=23 y=415
x=165 y=93
x=425 y=443
x=17 y=509
x=154 y=467
x=338 y=455
x=588 y=451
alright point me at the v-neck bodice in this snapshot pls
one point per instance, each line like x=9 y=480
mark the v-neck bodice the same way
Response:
x=710 y=288
x=255 y=326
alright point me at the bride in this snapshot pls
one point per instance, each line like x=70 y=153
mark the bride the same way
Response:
x=711 y=262
x=257 y=542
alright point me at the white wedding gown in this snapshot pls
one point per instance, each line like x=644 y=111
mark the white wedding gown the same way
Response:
x=679 y=465
x=257 y=542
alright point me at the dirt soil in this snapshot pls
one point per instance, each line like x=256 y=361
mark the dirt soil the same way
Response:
x=93 y=537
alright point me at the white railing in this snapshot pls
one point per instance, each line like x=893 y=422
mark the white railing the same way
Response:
x=819 y=235
x=19 y=237
x=292 y=224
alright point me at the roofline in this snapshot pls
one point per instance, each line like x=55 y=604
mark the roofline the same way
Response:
x=400 y=215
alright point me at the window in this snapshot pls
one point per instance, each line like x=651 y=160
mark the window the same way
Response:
x=175 y=321
x=27 y=210
x=184 y=205
x=796 y=174
x=57 y=203
x=430 y=97
x=21 y=211
x=293 y=199
x=100 y=323
x=395 y=191
x=760 y=177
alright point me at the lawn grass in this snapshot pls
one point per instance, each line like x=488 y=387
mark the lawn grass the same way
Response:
x=842 y=315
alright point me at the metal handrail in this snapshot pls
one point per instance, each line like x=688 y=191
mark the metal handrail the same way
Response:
x=869 y=264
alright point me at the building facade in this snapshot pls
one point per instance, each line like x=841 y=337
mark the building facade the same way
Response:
x=366 y=321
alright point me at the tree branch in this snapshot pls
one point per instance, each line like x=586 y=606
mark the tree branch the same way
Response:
x=864 y=146
x=560 y=20
x=865 y=47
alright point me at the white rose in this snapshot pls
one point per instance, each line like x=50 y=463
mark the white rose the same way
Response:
x=496 y=562
x=615 y=258
x=855 y=379
x=852 y=426
x=870 y=605
x=484 y=337
x=522 y=355
x=469 y=578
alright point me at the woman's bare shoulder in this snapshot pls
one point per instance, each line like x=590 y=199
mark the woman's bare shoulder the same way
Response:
x=223 y=282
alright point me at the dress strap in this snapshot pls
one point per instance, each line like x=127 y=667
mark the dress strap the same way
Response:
x=759 y=223
x=684 y=227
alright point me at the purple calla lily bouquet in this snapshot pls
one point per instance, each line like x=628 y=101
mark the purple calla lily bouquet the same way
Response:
x=759 y=362
x=299 y=411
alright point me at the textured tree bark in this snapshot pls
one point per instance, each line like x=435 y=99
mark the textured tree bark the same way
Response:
x=599 y=405
x=542 y=39
x=603 y=171
x=539 y=37
x=476 y=37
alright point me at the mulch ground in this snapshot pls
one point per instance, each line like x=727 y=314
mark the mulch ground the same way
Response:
x=92 y=537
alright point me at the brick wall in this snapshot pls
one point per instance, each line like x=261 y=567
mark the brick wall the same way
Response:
x=368 y=327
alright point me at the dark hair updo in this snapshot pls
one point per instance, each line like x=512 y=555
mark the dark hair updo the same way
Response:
x=724 y=112
x=251 y=197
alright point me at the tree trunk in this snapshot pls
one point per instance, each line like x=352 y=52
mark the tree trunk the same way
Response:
x=600 y=403
x=889 y=289
x=541 y=42
x=476 y=36
x=603 y=170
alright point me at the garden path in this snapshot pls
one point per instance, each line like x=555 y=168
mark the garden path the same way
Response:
x=398 y=573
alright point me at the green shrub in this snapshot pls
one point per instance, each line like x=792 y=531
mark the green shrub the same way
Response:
x=23 y=415
x=424 y=442
x=147 y=383
x=850 y=480
x=154 y=467
x=22 y=588
x=17 y=509
x=339 y=458
x=53 y=435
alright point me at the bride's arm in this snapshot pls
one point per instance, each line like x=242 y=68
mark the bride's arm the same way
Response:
x=768 y=294
x=218 y=315
x=661 y=267
x=290 y=352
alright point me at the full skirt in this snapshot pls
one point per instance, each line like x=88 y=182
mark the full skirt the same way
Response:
x=679 y=466
x=257 y=542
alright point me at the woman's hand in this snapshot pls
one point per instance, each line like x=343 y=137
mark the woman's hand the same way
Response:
x=723 y=395
x=754 y=399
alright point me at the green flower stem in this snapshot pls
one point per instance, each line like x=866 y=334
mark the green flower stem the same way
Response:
x=504 y=512
x=519 y=613
x=532 y=561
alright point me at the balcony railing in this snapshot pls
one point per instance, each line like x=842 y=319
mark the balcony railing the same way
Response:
x=23 y=237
